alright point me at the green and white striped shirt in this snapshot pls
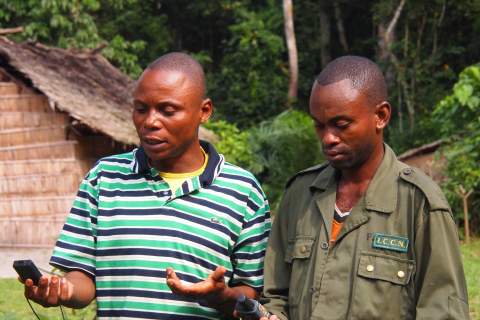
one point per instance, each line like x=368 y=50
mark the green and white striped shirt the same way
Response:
x=126 y=227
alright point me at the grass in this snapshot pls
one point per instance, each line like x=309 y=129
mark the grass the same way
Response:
x=14 y=307
x=471 y=264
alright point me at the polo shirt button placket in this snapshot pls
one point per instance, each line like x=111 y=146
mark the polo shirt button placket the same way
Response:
x=168 y=195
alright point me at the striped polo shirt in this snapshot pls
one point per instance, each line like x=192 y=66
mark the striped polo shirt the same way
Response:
x=126 y=227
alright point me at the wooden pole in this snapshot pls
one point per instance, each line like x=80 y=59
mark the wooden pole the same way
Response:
x=464 y=195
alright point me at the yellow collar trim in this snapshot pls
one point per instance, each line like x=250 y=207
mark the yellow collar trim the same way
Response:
x=192 y=174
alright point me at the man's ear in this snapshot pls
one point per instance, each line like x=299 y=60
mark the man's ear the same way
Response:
x=383 y=111
x=206 y=109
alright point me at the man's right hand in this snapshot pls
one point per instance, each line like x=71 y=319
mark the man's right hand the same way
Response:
x=74 y=290
x=51 y=291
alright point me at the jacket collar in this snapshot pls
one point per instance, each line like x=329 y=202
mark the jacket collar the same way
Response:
x=383 y=189
x=325 y=178
x=215 y=162
x=381 y=194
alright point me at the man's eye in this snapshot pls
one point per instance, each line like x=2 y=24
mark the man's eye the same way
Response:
x=140 y=108
x=169 y=111
x=342 y=124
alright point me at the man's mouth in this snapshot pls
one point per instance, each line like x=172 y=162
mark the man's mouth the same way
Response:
x=332 y=153
x=152 y=141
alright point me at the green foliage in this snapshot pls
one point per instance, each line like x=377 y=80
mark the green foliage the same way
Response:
x=60 y=22
x=402 y=139
x=136 y=31
x=74 y=24
x=124 y=54
x=233 y=144
x=458 y=118
x=240 y=43
x=252 y=79
x=283 y=146
x=274 y=151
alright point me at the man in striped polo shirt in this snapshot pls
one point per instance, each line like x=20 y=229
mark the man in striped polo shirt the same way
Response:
x=169 y=230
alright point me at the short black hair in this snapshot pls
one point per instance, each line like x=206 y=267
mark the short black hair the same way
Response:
x=364 y=74
x=182 y=62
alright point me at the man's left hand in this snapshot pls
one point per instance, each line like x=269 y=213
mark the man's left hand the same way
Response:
x=211 y=289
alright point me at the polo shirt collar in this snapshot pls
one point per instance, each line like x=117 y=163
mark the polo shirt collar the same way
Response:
x=214 y=165
x=139 y=163
x=381 y=194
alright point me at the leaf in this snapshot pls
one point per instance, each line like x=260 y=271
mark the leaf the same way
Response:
x=473 y=103
x=463 y=93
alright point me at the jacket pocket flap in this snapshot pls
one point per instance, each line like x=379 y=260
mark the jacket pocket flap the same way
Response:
x=388 y=268
x=299 y=248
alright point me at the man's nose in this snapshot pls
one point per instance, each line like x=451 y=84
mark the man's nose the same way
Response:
x=330 y=138
x=153 y=120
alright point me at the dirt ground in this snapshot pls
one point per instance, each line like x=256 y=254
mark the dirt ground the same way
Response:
x=39 y=256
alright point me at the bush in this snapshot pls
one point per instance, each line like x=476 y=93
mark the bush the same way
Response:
x=458 y=118
x=274 y=151
x=233 y=144
x=283 y=146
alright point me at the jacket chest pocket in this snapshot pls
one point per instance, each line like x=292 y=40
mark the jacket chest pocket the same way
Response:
x=382 y=287
x=299 y=249
x=299 y=256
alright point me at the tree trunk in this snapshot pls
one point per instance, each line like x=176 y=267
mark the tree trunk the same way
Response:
x=465 y=220
x=340 y=27
x=292 y=51
x=324 y=35
x=436 y=26
x=386 y=35
x=386 y=38
x=413 y=78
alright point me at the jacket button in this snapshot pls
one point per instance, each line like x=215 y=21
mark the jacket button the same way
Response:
x=324 y=245
x=401 y=274
x=303 y=249
x=407 y=171
x=370 y=268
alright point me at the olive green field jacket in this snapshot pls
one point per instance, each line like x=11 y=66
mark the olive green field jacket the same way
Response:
x=397 y=255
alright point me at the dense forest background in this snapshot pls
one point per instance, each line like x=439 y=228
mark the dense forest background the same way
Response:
x=260 y=83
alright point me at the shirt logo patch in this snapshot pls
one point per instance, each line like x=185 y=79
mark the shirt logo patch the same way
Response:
x=389 y=242
x=215 y=220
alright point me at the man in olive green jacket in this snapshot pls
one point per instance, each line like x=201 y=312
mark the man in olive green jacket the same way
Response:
x=363 y=236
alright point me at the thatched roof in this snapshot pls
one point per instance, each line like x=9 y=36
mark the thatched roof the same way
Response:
x=83 y=84
x=424 y=149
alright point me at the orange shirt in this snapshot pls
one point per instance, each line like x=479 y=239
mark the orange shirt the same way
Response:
x=337 y=223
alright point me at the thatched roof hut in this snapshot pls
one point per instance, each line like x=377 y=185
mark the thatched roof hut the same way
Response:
x=426 y=159
x=61 y=110
x=81 y=83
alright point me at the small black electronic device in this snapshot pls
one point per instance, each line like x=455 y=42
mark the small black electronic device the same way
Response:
x=26 y=269
x=250 y=309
